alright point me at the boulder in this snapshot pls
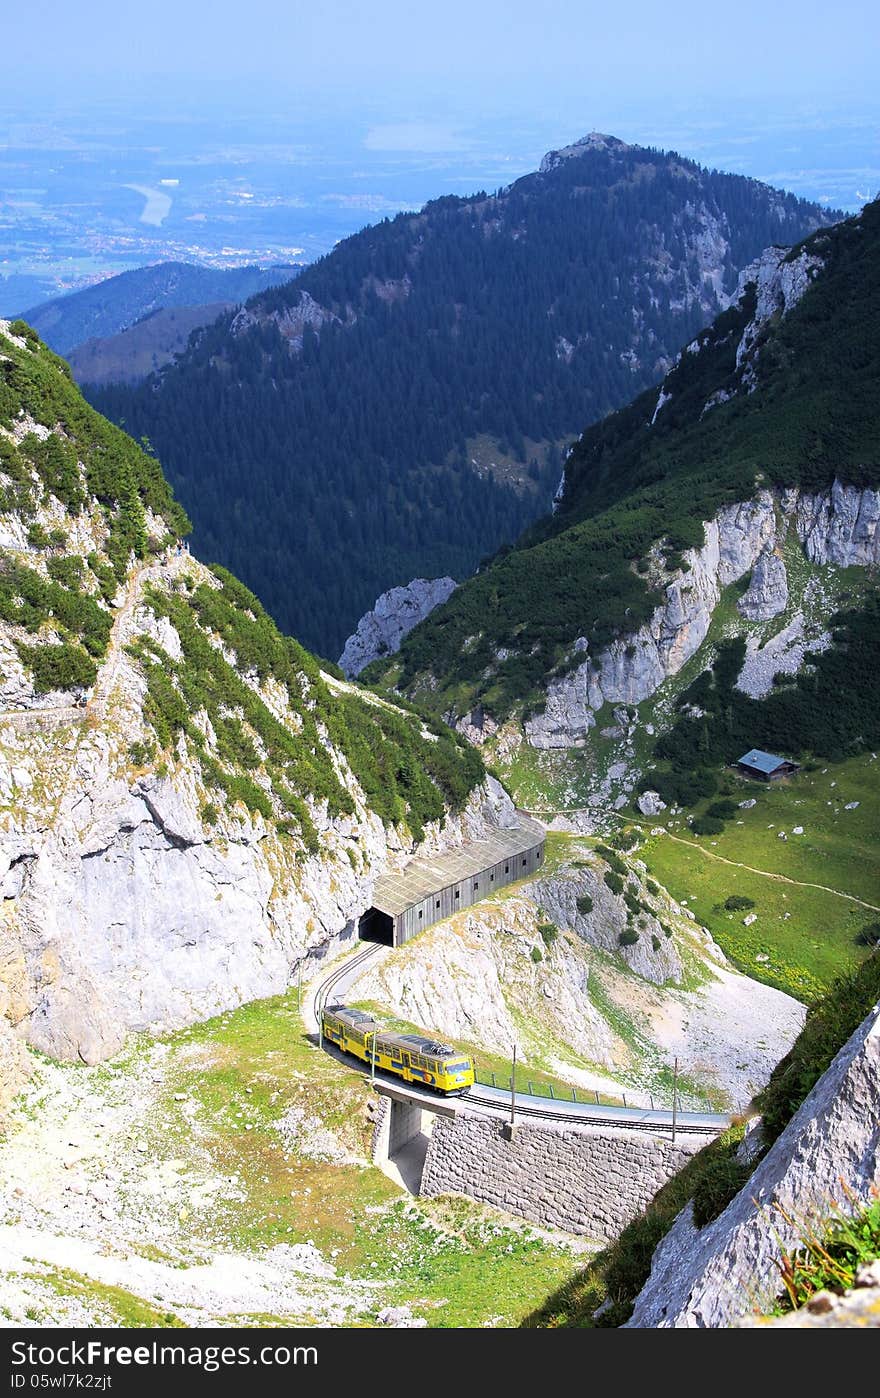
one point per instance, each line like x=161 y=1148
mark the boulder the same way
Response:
x=649 y=803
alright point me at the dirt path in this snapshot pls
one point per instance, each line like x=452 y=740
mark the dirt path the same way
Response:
x=709 y=854
x=97 y=704
x=765 y=874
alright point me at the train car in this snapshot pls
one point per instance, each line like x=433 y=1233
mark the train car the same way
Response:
x=411 y=1057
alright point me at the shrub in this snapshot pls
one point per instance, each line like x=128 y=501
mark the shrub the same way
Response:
x=628 y=938
x=210 y=813
x=614 y=882
x=536 y=955
x=869 y=935
x=721 y=1180
x=829 y=1024
x=37 y=537
x=655 y=941
x=140 y=753
x=584 y=903
x=613 y=860
x=707 y=825
x=67 y=570
x=61 y=666
x=738 y=903
x=549 y=932
x=652 y=887
x=626 y=839
x=632 y=902
x=722 y=810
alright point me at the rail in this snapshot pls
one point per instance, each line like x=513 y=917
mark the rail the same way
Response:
x=495 y=1101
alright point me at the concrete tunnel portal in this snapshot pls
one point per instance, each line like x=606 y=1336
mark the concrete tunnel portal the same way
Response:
x=434 y=887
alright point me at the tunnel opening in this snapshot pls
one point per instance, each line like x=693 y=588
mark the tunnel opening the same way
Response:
x=376 y=926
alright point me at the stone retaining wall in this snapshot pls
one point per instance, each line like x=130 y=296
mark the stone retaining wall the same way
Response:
x=584 y=1180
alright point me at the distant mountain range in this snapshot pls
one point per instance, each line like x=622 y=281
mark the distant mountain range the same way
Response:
x=112 y=306
x=401 y=409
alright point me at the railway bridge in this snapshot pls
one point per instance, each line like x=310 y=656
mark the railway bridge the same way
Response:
x=577 y=1166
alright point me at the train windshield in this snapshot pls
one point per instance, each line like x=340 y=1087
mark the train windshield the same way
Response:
x=462 y=1067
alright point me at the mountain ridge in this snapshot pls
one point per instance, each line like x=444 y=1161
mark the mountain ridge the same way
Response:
x=756 y=402
x=468 y=342
x=117 y=302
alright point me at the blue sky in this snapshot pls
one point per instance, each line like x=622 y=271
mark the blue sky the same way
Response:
x=535 y=52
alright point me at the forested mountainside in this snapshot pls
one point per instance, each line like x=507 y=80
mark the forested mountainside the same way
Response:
x=143 y=347
x=113 y=305
x=399 y=410
x=188 y=804
x=769 y=418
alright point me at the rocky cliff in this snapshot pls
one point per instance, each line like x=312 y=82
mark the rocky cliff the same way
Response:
x=381 y=630
x=838 y=526
x=708 y=1277
x=188 y=806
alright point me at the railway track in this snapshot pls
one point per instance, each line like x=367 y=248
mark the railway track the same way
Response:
x=495 y=1101
x=581 y=1113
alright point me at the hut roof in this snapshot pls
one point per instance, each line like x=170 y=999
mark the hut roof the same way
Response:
x=428 y=874
x=762 y=761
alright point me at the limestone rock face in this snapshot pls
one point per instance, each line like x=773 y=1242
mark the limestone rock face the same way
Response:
x=838 y=526
x=126 y=908
x=634 y=666
x=709 y=1277
x=291 y=322
x=780 y=282
x=396 y=612
x=767 y=594
x=596 y=140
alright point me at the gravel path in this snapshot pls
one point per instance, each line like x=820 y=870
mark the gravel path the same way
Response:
x=764 y=873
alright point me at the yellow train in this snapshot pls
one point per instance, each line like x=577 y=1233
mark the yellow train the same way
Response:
x=409 y=1056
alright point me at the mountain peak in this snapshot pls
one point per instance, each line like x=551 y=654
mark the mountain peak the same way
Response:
x=596 y=140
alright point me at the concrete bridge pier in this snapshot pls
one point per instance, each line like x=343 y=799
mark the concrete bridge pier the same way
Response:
x=401 y=1134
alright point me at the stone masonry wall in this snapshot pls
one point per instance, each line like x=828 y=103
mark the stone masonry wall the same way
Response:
x=581 y=1179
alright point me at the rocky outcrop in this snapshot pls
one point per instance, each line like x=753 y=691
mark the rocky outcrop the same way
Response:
x=292 y=321
x=650 y=803
x=839 y=526
x=783 y=654
x=380 y=631
x=634 y=666
x=830 y=1150
x=767 y=593
x=653 y=955
x=596 y=140
x=780 y=281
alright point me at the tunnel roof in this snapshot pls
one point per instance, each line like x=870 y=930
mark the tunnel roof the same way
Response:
x=428 y=874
